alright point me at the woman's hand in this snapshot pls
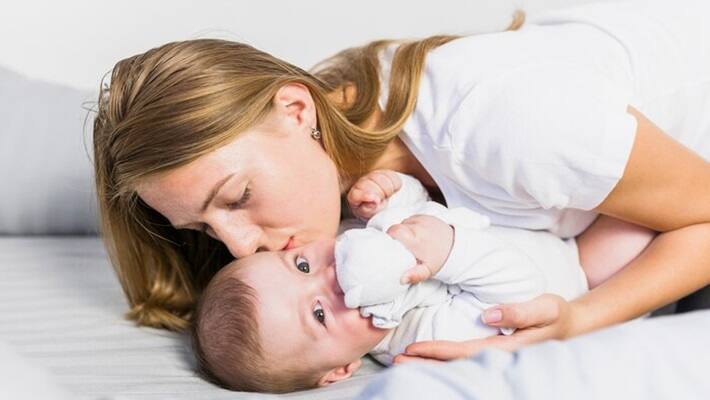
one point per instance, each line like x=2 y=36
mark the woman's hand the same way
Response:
x=546 y=317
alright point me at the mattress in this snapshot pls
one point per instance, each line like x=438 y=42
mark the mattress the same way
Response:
x=61 y=308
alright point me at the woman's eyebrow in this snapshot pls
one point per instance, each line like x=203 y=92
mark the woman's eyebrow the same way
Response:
x=214 y=191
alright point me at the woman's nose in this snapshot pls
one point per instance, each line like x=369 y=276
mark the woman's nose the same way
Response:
x=242 y=240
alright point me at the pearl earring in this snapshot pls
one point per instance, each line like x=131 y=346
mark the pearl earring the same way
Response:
x=315 y=134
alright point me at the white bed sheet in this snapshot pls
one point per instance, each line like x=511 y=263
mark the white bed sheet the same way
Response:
x=61 y=308
x=648 y=359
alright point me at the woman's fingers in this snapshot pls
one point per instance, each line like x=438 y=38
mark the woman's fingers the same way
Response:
x=540 y=311
x=442 y=349
x=545 y=317
x=445 y=350
x=403 y=358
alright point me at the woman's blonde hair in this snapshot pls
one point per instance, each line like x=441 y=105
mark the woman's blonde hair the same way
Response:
x=172 y=104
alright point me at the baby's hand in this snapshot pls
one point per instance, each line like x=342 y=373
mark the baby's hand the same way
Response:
x=369 y=194
x=429 y=239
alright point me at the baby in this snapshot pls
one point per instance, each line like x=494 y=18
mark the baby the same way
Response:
x=281 y=321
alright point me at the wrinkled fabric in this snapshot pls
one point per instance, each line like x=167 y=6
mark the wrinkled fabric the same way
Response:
x=657 y=358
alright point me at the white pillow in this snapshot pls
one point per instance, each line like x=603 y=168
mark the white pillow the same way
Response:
x=46 y=176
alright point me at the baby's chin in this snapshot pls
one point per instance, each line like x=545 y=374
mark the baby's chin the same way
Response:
x=356 y=325
x=360 y=325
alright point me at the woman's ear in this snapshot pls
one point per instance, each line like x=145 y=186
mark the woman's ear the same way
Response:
x=339 y=373
x=294 y=102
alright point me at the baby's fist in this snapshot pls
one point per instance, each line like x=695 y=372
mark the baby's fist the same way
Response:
x=430 y=240
x=369 y=194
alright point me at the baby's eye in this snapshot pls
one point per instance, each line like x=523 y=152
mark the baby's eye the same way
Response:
x=319 y=314
x=302 y=265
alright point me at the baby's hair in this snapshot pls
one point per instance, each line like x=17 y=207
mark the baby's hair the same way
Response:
x=227 y=344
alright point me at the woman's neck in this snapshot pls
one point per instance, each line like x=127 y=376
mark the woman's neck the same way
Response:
x=399 y=158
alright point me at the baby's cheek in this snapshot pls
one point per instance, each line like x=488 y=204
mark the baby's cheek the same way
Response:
x=354 y=322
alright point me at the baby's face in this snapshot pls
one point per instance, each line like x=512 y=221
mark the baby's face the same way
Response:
x=301 y=310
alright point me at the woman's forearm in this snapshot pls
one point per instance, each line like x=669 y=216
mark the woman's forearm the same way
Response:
x=675 y=264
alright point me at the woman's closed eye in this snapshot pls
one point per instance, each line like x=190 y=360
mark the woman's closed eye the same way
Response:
x=242 y=200
x=318 y=313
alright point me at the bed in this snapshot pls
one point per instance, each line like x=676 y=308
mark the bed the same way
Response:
x=63 y=336
x=62 y=331
x=650 y=358
x=61 y=309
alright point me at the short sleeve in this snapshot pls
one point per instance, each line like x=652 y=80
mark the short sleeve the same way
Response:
x=551 y=135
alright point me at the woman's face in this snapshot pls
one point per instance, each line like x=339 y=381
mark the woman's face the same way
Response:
x=272 y=188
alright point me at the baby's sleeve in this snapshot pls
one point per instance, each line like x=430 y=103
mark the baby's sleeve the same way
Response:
x=411 y=193
x=402 y=204
x=485 y=263
x=551 y=135
x=390 y=314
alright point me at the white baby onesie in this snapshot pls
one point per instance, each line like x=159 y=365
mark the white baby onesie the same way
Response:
x=487 y=265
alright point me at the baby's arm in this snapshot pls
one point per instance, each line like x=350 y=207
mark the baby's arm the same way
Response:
x=487 y=264
x=477 y=260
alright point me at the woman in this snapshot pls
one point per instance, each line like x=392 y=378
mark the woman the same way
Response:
x=210 y=149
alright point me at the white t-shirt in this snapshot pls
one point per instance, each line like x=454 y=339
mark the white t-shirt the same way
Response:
x=530 y=127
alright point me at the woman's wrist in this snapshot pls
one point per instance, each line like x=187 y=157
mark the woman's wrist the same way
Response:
x=601 y=308
x=580 y=319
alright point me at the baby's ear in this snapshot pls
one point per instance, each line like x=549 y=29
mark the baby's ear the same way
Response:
x=339 y=373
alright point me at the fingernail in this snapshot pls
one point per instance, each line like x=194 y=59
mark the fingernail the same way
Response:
x=404 y=280
x=492 y=316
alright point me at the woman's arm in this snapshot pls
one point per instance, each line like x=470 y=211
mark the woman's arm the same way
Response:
x=665 y=187
x=675 y=263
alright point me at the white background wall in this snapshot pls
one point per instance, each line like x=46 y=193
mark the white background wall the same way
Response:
x=75 y=42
